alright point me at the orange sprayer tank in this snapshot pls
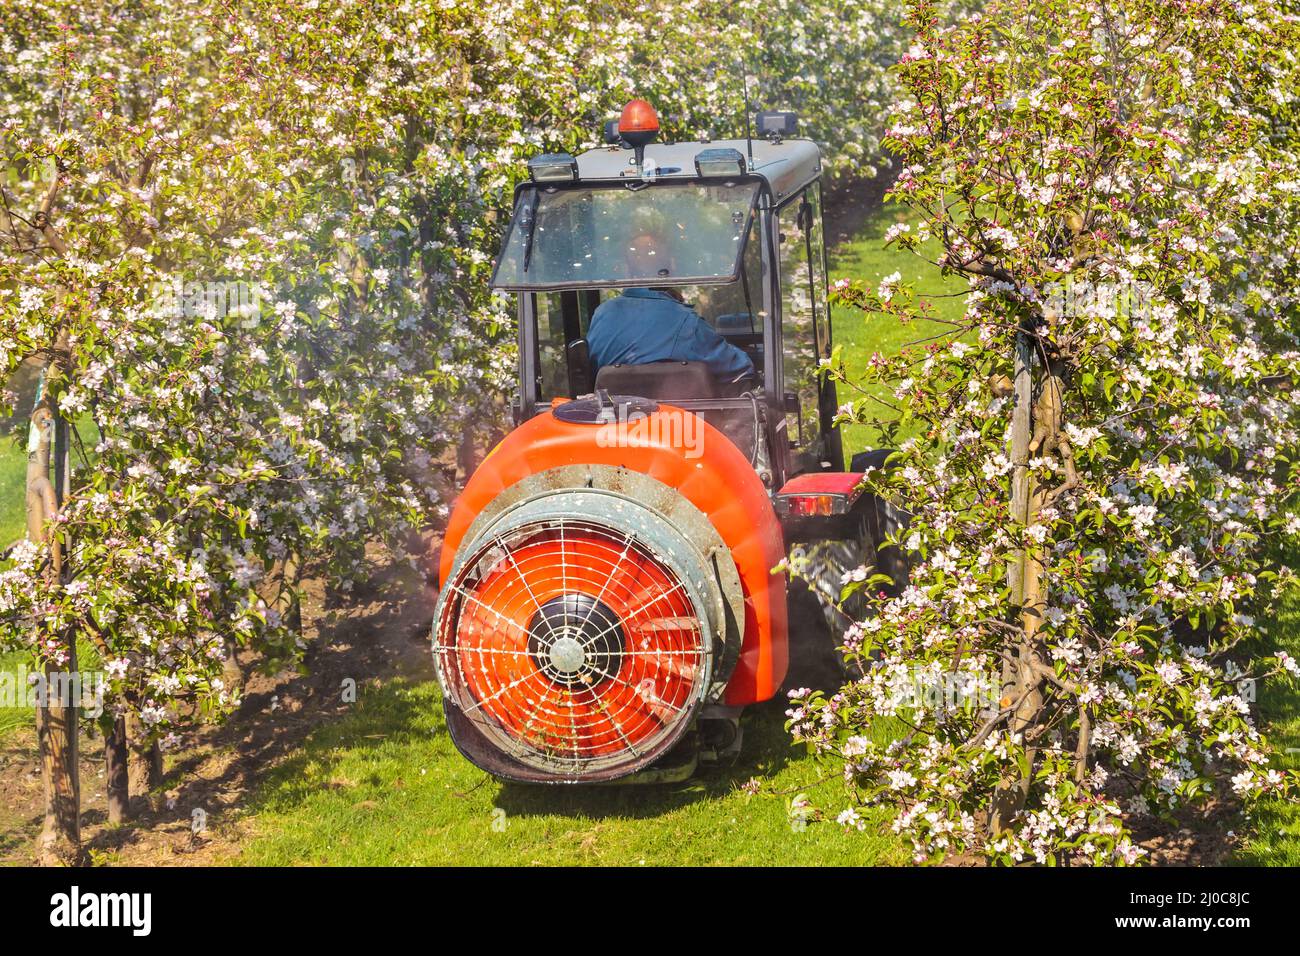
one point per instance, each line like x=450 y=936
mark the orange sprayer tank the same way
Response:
x=601 y=581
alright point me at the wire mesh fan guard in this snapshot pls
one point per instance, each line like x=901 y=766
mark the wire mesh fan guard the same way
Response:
x=576 y=646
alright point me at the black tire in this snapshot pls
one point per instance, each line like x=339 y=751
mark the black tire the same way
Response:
x=883 y=519
x=870 y=460
x=815 y=658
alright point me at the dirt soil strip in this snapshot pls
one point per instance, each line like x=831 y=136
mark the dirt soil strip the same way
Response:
x=847 y=206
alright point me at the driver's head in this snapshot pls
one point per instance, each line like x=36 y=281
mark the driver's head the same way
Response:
x=645 y=258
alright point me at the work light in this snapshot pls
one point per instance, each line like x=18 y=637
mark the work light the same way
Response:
x=719 y=162
x=553 y=167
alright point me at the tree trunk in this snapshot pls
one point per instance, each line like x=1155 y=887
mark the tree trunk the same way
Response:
x=56 y=732
x=56 y=714
x=144 y=760
x=116 y=762
x=287 y=600
x=231 y=673
x=466 y=450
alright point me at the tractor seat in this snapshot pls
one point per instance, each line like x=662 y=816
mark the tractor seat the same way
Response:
x=659 y=380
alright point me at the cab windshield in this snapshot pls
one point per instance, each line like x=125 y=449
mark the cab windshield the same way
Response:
x=665 y=233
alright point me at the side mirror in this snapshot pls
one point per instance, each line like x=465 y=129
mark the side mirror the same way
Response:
x=579 y=368
x=791 y=402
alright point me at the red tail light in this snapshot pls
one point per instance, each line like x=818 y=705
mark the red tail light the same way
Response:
x=819 y=493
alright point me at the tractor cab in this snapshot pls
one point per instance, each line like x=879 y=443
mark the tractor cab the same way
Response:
x=733 y=228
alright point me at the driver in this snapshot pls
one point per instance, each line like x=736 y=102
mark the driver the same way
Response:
x=646 y=325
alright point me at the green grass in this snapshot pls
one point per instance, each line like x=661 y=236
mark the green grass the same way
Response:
x=12 y=718
x=13 y=488
x=385 y=786
x=859 y=335
x=13 y=475
x=1274 y=832
x=13 y=526
x=19 y=664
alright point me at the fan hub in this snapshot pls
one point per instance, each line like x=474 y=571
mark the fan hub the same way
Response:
x=575 y=639
x=567 y=656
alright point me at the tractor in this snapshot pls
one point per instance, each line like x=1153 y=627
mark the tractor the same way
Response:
x=614 y=586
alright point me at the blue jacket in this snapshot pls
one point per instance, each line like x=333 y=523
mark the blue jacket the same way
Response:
x=643 y=325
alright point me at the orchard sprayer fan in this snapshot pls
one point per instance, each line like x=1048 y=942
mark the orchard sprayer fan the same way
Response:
x=613 y=590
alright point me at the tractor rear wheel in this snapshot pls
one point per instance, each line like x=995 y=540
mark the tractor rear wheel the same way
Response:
x=883 y=520
x=816 y=661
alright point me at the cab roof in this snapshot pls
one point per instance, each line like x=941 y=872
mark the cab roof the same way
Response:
x=786 y=165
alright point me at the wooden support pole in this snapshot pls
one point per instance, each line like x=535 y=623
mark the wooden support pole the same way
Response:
x=1019 y=679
